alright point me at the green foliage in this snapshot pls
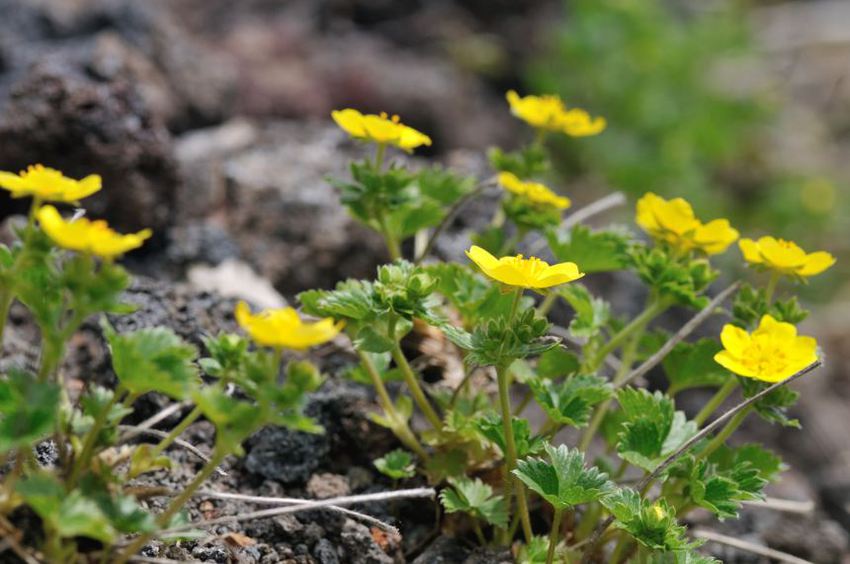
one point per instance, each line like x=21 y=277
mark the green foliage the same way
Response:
x=774 y=406
x=502 y=340
x=717 y=488
x=474 y=298
x=28 y=410
x=571 y=401
x=476 y=499
x=154 y=359
x=563 y=481
x=527 y=215
x=592 y=314
x=692 y=365
x=682 y=280
x=594 y=251
x=557 y=362
x=528 y=162
x=652 y=428
x=492 y=428
x=652 y=524
x=396 y=464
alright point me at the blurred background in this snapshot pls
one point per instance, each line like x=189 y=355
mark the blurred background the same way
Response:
x=209 y=121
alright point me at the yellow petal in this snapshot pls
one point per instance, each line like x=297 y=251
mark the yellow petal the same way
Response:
x=750 y=251
x=715 y=236
x=734 y=339
x=558 y=274
x=351 y=121
x=482 y=258
x=776 y=330
x=781 y=255
x=733 y=364
x=816 y=263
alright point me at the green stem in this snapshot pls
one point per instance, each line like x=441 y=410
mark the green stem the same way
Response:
x=771 y=288
x=176 y=432
x=656 y=308
x=588 y=522
x=400 y=426
x=724 y=434
x=620 y=549
x=716 y=400
x=415 y=389
x=547 y=303
x=91 y=440
x=380 y=150
x=479 y=534
x=553 y=535
x=511 y=482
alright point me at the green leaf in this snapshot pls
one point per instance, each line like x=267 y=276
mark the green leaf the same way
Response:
x=142 y=461
x=652 y=428
x=443 y=185
x=498 y=341
x=556 y=363
x=475 y=498
x=563 y=481
x=446 y=464
x=719 y=489
x=234 y=420
x=651 y=524
x=774 y=406
x=28 y=410
x=528 y=162
x=571 y=401
x=766 y=462
x=396 y=464
x=680 y=279
x=682 y=557
x=153 y=360
x=492 y=428
x=692 y=365
x=593 y=251
x=591 y=314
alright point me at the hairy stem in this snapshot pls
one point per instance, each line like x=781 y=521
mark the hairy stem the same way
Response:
x=553 y=535
x=176 y=432
x=415 y=389
x=727 y=431
x=511 y=482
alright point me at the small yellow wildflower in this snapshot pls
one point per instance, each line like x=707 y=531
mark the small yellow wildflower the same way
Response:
x=658 y=512
x=48 y=184
x=771 y=353
x=380 y=129
x=283 y=328
x=536 y=193
x=525 y=273
x=673 y=221
x=85 y=236
x=785 y=257
x=549 y=113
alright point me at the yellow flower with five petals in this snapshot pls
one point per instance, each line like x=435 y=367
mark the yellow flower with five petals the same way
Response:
x=87 y=236
x=549 y=113
x=380 y=128
x=522 y=272
x=784 y=257
x=673 y=222
x=535 y=192
x=284 y=328
x=47 y=184
x=771 y=353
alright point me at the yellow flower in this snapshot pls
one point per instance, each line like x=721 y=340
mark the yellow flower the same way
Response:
x=525 y=273
x=771 y=353
x=48 y=184
x=85 y=236
x=534 y=192
x=380 y=129
x=283 y=328
x=673 y=221
x=785 y=257
x=549 y=113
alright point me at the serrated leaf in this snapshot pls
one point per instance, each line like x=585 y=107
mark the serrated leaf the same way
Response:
x=774 y=406
x=475 y=498
x=651 y=429
x=571 y=401
x=28 y=410
x=652 y=524
x=142 y=460
x=154 y=360
x=396 y=464
x=556 y=363
x=493 y=429
x=591 y=314
x=594 y=251
x=563 y=481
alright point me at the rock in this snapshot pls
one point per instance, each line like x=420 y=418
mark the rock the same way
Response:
x=814 y=538
x=444 y=550
x=326 y=485
x=287 y=456
x=235 y=279
x=325 y=552
x=361 y=548
x=196 y=242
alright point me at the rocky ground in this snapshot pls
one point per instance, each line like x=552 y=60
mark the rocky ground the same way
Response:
x=208 y=120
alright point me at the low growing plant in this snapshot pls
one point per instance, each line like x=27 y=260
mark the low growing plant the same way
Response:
x=635 y=465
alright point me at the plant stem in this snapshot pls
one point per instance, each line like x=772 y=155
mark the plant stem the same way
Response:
x=91 y=440
x=620 y=549
x=511 y=482
x=400 y=426
x=553 y=535
x=176 y=432
x=380 y=150
x=547 y=303
x=653 y=310
x=479 y=534
x=724 y=434
x=771 y=288
x=716 y=400
x=415 y=389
